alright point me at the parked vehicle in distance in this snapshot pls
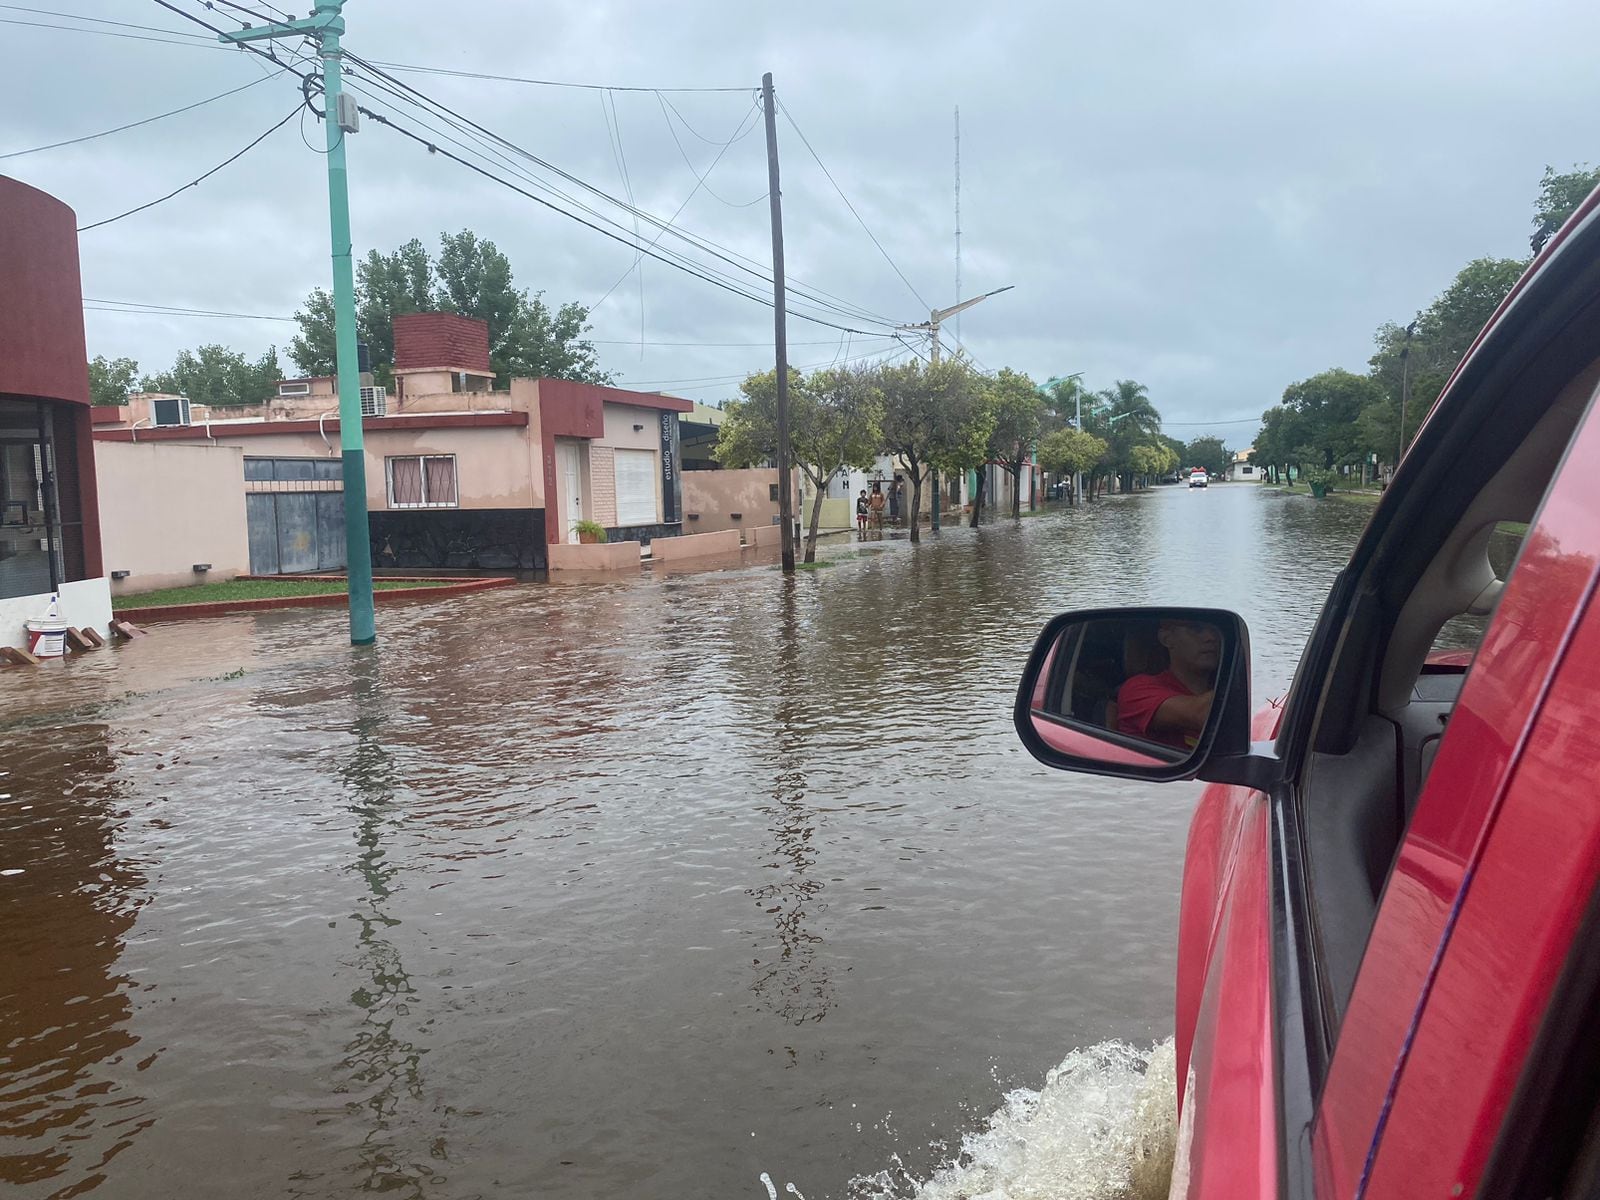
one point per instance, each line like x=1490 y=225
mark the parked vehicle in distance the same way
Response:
x=1197 y=477
x=1389 y=934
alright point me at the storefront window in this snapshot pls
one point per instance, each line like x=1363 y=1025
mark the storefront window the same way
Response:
x=39 y=544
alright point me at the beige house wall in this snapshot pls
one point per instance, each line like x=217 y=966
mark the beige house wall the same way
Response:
x=717 y=495
x=494 y=465
x=165 y=507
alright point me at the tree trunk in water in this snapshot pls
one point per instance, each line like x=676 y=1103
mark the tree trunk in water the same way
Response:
x=916 y=505
x=1016 y=490
x=977 y=496
x=816 y=520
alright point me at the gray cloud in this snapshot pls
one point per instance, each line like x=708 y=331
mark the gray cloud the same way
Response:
x=1215 y=200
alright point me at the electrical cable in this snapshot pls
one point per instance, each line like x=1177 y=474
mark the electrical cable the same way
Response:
x=453 y=119
x=807 y=143
x=602 y=87
x=67 y=16
x=442 y=111
x=381 y=119
x=289 y=116
x=132 y=37
x=89 y=137
x=698 y=185
x=136 y=308
x=833 y=362
x=701 y=182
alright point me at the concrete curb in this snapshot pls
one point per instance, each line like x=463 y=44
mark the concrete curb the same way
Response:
x=223 y=608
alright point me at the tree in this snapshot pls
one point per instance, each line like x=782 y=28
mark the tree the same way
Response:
x=1441 y=334
x=1126 y=418
x=1208 y=453
x=935 y=416
x=1559 y=197
x=1328 y=408
x=470 y=277
x=834 y=418
x=1071 y=452
x=1019 y=412
x=110 y=380
x=219 y=377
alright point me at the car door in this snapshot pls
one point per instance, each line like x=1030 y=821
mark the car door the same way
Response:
x=1491 y=882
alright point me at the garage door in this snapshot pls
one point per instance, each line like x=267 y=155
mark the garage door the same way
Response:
x=636 y=487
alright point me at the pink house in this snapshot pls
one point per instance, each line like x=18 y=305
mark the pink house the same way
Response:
x=459 y=474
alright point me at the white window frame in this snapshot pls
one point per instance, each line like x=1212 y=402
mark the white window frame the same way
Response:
x=294 y=389
x=422 y=465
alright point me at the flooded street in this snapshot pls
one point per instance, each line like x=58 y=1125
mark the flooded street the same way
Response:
x=641 y=888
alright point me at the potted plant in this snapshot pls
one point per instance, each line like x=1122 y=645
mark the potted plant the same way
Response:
x=1320 y=479
x=590 y=532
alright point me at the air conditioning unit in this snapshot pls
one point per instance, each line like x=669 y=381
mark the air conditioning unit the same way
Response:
x=374 y=402
x=169 y=410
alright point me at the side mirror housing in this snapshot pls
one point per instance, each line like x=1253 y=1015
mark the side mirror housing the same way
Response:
x=1148 y=693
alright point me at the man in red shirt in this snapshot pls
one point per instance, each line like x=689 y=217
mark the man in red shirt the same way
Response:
x=1172 y=707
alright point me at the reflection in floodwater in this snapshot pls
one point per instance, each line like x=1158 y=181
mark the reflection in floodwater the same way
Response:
x=792 y=978
x=68 y=1060
x=382 y=1061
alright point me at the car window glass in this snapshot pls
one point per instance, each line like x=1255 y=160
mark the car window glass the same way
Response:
x=1458 y=639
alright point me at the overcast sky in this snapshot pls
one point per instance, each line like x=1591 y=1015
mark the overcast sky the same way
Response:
x=1214 y=199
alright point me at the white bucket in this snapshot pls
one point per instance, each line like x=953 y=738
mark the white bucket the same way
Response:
x=47 y=639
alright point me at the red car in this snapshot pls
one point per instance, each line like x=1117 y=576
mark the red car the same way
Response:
x=1389 y=939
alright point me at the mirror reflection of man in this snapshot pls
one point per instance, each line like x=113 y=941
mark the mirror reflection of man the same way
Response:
x=1172 y=706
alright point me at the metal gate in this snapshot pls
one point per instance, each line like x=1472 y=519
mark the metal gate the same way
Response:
x=294 y=508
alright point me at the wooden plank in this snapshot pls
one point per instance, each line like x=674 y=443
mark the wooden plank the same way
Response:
x=16 y=657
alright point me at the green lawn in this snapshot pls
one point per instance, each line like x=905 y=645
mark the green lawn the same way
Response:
x=255 y=589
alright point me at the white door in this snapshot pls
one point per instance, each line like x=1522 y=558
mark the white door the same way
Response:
x=636 y=487
x=572 y=493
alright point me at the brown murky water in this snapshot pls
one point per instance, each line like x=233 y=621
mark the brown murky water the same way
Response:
x=642 y=888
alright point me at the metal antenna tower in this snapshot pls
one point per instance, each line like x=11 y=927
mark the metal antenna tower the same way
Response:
x=958 y=216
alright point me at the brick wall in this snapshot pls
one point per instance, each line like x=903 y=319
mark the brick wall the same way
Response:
x=603 y=484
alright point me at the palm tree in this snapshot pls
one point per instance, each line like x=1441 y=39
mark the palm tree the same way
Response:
x=1126 y=418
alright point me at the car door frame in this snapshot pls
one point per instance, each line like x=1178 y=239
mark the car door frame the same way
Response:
x=1557 y=290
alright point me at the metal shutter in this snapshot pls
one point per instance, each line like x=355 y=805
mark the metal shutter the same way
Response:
x=636 y=487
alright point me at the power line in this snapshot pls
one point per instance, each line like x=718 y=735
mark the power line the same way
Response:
x=136 y=308
x=98 y=21
x=456 y=121
x=834 y=361
x=701 y=181
x=599 y=87
x=1192 y=424
x=132 y=37
x=440 y=110
x=135 y=124
x=807 y=143
x=487 y=174
x=289 y=116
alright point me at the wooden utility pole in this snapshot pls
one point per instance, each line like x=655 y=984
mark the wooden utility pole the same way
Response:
x=780 y=328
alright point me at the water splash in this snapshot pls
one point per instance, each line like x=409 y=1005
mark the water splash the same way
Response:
x=1103 y=1127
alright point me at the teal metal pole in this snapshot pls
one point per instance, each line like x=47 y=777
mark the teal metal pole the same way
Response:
x=326 y=23
x=357 y=539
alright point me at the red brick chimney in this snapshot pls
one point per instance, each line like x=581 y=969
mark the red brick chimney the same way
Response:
x=440 y=352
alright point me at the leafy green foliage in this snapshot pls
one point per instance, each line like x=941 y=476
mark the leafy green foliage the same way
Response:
x=110 y=380
x=835 y=419
x=1559 y=196
x=220 y=377
x=470 y=277
x=1071 y=451
x=1209 y=453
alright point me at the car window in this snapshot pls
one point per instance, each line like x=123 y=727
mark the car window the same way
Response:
x=1458 y=638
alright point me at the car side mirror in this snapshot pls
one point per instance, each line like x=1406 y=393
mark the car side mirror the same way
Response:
x=1138 y=693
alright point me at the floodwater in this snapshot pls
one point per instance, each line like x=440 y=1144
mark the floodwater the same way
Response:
x=700 y=885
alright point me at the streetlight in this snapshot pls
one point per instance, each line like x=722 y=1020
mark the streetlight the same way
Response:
x=1405 y=389
x=931 y=326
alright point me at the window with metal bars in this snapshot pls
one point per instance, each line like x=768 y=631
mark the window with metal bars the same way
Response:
x=422 y=481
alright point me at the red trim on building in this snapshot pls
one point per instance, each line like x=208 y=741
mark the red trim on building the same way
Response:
x=577 y=410
x=42 y=353
x=188 y=433
x=88 y=492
